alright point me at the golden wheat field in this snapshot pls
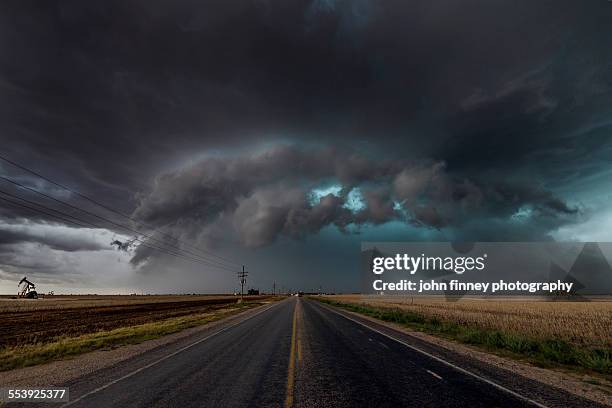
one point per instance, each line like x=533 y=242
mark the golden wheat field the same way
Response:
x=581 y=323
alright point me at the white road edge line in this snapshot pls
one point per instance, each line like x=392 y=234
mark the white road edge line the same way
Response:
x=167 y=357
x=434 y=374
x=456 y=367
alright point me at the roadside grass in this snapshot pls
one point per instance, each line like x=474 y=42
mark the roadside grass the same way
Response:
x=33 y=354
x=543 y=352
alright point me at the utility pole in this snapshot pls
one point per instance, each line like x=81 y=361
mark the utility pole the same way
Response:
x=242 y=275
x=274 y=288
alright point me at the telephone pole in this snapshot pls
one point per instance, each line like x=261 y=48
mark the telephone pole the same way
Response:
x=274 y=288
x=242 y=275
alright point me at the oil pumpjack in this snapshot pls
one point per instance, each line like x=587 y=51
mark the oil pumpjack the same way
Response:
x=27 y=289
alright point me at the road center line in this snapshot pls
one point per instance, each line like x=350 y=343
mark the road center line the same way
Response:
x=103 y=387
x=292 y=355
x=456 y=367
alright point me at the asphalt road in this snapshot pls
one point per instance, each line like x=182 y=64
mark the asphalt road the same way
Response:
x=301 y=353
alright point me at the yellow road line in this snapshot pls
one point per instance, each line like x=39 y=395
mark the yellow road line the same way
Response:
x=291 y=370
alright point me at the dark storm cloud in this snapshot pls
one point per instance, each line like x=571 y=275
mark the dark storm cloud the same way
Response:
x=49 y=251
x=52 y=235
x=264 y=196
x=466 y=112
x=16 y=261
x=151 y=80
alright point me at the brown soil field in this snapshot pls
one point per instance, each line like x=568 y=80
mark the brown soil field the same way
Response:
x=584 y=324
x=10 y=304
x=40 y=321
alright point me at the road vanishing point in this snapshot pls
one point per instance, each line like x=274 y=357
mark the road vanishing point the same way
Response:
x=299 y=352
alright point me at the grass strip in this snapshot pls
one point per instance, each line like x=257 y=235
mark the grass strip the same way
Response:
x=33 y=354
x=543 y=352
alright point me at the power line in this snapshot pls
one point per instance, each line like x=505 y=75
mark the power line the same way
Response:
x=211 y=261
x=41 y=211
x=111 y=209
x=143 y=243
x=78 y=222
x=204 y=260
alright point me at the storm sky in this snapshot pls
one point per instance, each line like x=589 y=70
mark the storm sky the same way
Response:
x=281 y=134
